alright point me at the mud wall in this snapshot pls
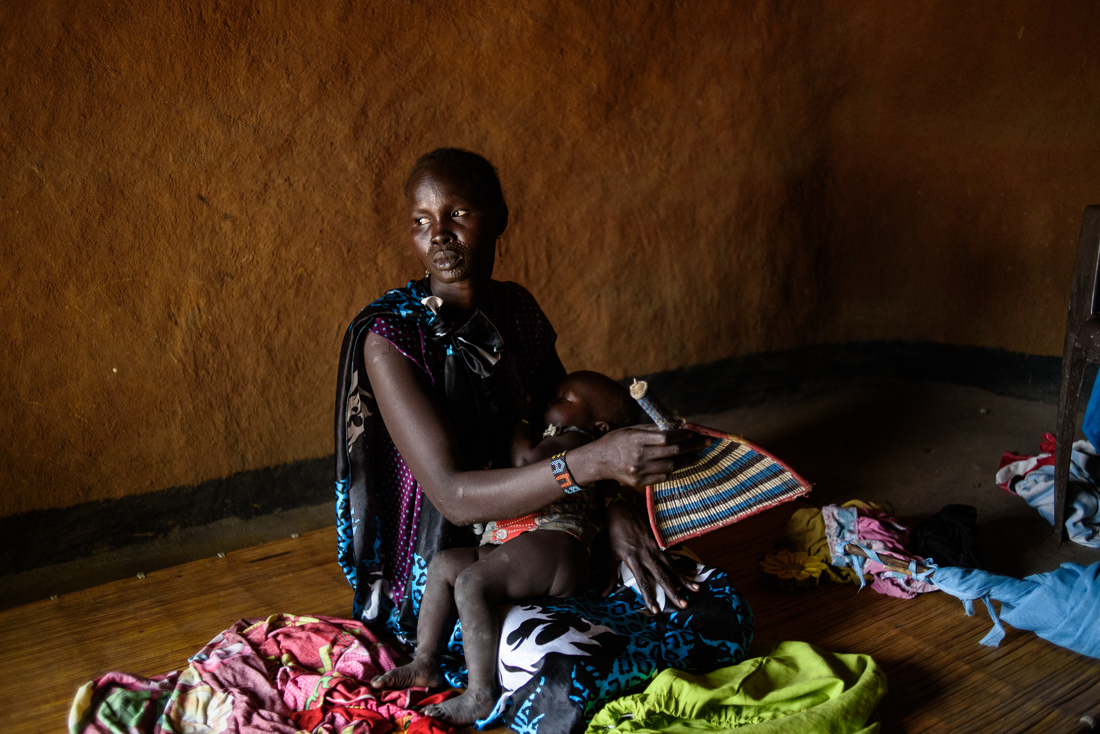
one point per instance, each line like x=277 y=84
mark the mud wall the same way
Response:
x=196 y=198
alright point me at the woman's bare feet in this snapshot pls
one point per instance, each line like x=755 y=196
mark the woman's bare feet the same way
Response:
x=462 y=710
x=417 y=673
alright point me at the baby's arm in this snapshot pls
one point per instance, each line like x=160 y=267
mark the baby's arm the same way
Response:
x=528 y=448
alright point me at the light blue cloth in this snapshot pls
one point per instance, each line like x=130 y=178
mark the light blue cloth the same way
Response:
x=846 y=531
x=1062 y=606
x=1037 y=489
x=1091 y=424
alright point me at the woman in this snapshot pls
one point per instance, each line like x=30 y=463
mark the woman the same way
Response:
x=431 y=378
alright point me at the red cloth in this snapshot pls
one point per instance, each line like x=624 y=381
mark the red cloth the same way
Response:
x=1025 y=462
x=505 y=530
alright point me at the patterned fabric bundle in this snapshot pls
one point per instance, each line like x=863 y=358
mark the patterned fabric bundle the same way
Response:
x=281 y=675
x=731 y=480
x=872 y=528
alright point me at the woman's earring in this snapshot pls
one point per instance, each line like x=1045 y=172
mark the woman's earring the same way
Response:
x=427 y=273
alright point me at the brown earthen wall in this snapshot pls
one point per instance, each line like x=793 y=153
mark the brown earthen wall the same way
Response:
x=197 y=197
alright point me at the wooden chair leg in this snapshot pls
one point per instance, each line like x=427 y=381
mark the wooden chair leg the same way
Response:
x=1082 y=344
x=1073 y=372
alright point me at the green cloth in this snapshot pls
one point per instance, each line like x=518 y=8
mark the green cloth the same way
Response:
x=795 y=688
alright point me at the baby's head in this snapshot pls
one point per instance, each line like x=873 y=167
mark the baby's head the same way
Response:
x=592 y=402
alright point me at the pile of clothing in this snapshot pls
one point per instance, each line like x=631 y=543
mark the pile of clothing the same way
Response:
x=814 y=546
x=291 y=674
x=1032 y=479
x=850 y=542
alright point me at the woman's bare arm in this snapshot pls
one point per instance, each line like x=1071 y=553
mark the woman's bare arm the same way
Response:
x=424 y=436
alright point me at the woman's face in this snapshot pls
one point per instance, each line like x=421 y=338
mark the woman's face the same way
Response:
x=453 y=231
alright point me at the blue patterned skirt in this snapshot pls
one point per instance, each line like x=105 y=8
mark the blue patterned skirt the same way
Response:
x=561 y=660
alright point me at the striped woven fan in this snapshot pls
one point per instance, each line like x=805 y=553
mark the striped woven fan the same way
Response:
x=731 y=479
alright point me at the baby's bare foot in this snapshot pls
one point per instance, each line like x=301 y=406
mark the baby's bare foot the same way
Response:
x=462 y=710
x=416 y=673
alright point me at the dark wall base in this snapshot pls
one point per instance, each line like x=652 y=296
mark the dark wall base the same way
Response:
x=751 y=380
x=46 y=537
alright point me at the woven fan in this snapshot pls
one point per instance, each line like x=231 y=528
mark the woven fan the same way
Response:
x=730 y=480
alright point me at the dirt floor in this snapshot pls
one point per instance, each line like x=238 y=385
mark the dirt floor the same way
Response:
x=911 y=446
x=915 y=447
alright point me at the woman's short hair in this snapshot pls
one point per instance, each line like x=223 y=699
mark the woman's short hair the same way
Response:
x=470 y=166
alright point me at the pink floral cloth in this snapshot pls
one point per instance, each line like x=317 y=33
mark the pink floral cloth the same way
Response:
x=282 y=675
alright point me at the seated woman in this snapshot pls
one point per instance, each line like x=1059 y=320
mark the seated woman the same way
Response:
x=431 y=379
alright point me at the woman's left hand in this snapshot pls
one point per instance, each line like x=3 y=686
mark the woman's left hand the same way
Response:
x=632 y=543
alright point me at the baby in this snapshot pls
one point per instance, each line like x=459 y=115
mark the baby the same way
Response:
x=547 y=552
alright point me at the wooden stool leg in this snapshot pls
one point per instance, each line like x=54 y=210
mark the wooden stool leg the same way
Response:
x=1073 y=372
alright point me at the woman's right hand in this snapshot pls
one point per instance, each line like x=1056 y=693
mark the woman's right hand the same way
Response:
x=632 y=543
x=636 y=457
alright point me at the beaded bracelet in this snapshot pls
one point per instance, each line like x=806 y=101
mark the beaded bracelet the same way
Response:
x=561 y=472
